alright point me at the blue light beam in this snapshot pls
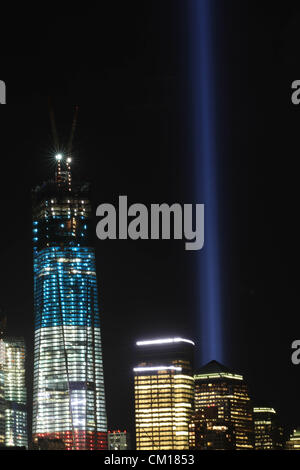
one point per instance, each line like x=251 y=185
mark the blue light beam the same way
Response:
x=203 y=80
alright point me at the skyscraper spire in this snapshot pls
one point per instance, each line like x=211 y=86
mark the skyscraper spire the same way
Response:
x=69 y=174
x=63 y=177
x=69 y=149
x=58 y=173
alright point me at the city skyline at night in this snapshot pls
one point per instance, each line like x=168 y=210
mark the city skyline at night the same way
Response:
x=68 y=394
x=190 y=104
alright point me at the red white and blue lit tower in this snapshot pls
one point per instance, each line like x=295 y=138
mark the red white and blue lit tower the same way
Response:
x=68 y=395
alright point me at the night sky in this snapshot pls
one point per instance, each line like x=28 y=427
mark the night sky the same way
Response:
x=127 y=66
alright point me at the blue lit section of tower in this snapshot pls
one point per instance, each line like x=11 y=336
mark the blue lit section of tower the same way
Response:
x=68 y=400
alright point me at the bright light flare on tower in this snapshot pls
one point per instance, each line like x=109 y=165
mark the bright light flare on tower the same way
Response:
x=58 y=157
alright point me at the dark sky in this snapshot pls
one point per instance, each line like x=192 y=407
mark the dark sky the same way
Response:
x=126 y=65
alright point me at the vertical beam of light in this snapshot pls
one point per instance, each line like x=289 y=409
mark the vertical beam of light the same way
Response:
x=203 y=103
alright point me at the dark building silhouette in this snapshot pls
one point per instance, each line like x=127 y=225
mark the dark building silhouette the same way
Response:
x=48 y=444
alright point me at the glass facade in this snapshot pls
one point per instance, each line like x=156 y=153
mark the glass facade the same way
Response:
x=118 y=440
x=268 y=432
x=68 y=400
x=164 y=389
x=2 y=400
x=223 y=417
x=15 y=393
x=294 y=441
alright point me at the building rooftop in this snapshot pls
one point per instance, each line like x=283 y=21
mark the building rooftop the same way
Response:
x=160 y=341
x=215 y=369
x=263 y=410
x=213 y=366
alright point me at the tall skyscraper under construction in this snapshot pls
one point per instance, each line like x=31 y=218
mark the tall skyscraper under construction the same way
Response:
x=68 y=396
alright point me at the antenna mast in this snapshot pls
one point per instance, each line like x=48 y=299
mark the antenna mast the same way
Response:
x=63 y=176
x=69 y=149
x=58 y=156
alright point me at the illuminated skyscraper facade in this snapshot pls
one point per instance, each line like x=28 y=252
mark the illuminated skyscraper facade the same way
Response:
x=223 y=417
x=68 y=397
x=15 y=393
x=267 y=430
x=164 y=390
x=118 y=440
x=2 y=399
x=294 y=441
